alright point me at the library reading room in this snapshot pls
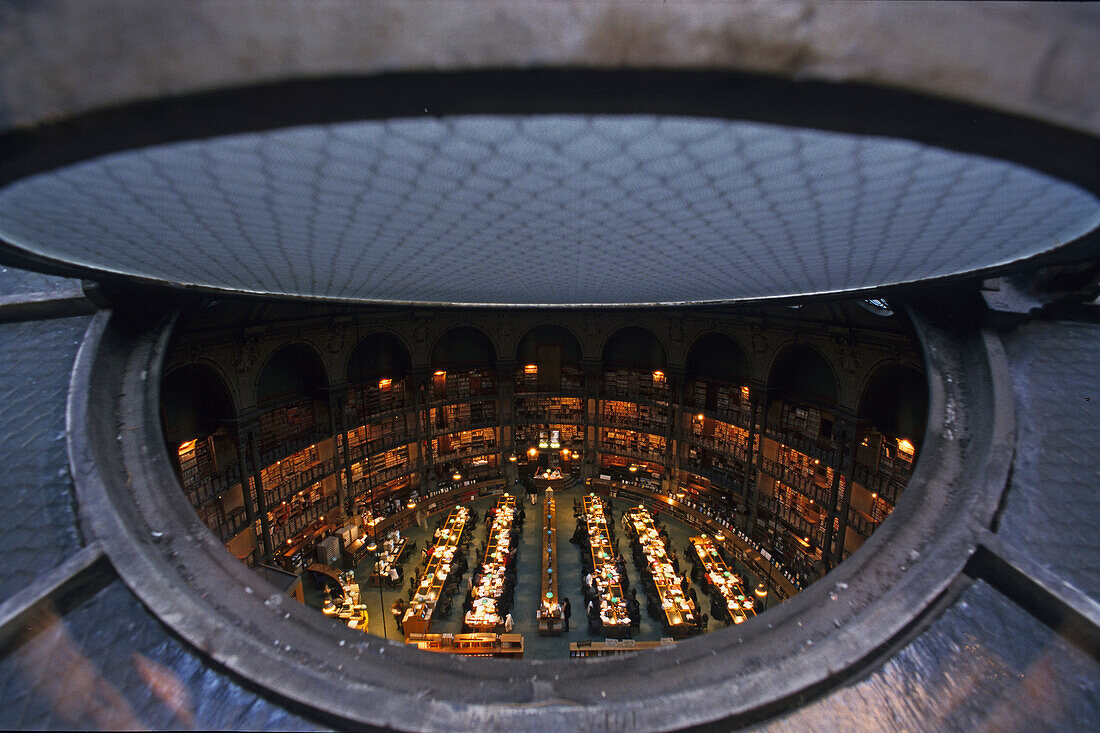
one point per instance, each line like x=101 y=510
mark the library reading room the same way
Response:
x=590 y=365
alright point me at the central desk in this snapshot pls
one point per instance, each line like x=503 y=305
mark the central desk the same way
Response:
x=549 y=612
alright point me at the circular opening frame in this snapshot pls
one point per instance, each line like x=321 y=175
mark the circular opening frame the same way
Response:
x=131 y=503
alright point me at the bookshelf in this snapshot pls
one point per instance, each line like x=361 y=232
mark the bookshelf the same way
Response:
x=464 y=444
x=543 y=410
x=651 y=418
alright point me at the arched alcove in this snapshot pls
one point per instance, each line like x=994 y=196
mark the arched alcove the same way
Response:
x=195 y=402
x=546 y=354
x=293 y=372
x=800 y=373
x=717 y=357
x=378 y=356
x=895 y=401
x=463 y=347
x=634 y=347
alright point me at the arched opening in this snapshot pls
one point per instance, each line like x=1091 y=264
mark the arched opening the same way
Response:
x=717 y=357
x=378 y=435
x=801 y=374
x=463 y=425
x=200 y=429
x=893 y=408
x=291 y=373
x=548 y=359
x=195 y=403
x=716 y=392
x=636 y=395
x=634 y=347
x=549 y=402
x=291 y=395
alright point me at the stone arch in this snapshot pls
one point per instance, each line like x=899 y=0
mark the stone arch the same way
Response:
x=465 y=346
x=296 y=367
x=195 y=400
x=634 y=346
x=718 y=356
x=381 y=354
x=800 y=369
x=894 y=399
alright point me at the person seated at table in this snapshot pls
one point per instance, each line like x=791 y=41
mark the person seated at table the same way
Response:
x=395 y=575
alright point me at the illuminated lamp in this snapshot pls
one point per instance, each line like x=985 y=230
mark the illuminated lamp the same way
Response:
x=633 y=468
x=384 y=383
x=512 y=457
x=533 y=452
x=905 y=446
x=761 y=590
x=457 y=475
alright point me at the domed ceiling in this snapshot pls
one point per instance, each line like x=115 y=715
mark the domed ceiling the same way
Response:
x=543 y=210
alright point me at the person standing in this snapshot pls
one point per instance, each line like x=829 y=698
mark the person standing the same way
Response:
x=565 y=611
x=508 y=623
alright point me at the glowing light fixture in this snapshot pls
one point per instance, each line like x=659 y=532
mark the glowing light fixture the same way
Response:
x=512 y=457
x=633 y=468
x=533 y=452
x=440 y=373
x=700 y=417
x=658 y=376
x=187 y=446
x=457 y=475
x=372 y=545
x=905 y=446
x=531 y=369
x=384 y=383
x=761 y=590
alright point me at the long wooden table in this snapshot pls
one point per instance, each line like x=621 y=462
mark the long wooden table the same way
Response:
x=418 y=616
x=549 y=612
x=470 y=645
x=487 y=594
x=613 y=610
x=740 y=605
x=781 y=587
x=680 y=614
